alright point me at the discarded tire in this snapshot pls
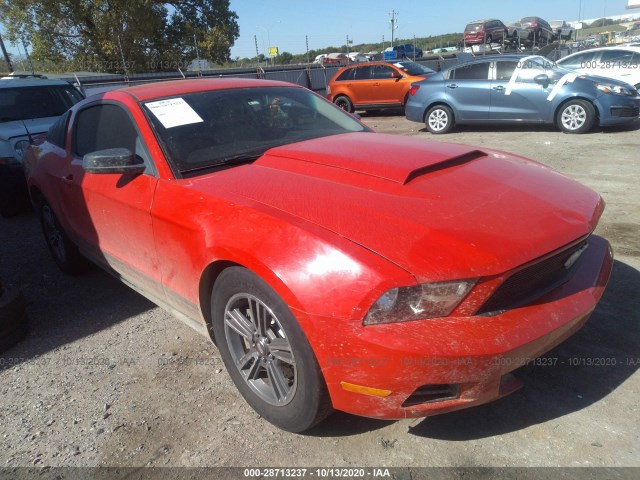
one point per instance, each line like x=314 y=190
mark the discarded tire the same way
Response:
x=13 y=318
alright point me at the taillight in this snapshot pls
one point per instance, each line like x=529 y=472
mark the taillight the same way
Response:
x=414 y=89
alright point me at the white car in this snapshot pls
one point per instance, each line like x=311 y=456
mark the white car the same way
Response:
x=620 y=63
x=357 y=57
x=562 y=29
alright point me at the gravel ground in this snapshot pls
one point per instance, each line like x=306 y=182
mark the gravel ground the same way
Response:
x=105 y=378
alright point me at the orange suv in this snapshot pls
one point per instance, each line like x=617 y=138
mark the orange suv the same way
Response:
x=375 y=85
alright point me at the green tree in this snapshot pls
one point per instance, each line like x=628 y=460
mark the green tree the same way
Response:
x=284 y=58
x=96 y=34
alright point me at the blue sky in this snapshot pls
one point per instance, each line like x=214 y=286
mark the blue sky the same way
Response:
x=328 y=22
x=284 y=23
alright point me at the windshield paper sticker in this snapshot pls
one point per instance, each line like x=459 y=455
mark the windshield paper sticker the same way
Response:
x=174 y=112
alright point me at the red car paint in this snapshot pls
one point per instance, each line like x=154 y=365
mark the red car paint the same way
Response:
x=331 y=224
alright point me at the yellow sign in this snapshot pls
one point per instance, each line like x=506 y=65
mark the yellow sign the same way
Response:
x=273 y=51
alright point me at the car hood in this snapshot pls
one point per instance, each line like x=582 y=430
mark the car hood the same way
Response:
x=18 y=128
x=439 y=211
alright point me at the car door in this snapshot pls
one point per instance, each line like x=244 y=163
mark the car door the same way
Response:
x=385 y=88
x=620 y=64
x=519 y=97
x=360 y=86
x=110 y=213
x=584 y=62
x=468 y=91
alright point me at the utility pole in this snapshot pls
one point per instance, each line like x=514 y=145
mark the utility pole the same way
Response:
x=255 y=39
x=124 y=64
x=414 y=47
x=6 y=56
x=393 y=21
x=26 y=54
x=195 y=42
x=306 y=39
x=383 y=43
x=347 y=45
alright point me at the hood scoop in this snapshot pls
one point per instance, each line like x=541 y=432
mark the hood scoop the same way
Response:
x=390 y=157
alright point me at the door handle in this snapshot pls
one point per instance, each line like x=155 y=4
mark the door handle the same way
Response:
x=68 y=178
x=453 y=85
x=499 y=88
x=377 y=84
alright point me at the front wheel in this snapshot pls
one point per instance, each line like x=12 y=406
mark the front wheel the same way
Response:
x=576 y=116
x=439 y=119
x=344 y=103
x=65 y=253
x=266 y=353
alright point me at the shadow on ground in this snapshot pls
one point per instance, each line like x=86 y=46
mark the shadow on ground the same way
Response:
x=61 y=309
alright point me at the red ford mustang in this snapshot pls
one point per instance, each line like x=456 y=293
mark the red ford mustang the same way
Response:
x=336 y=268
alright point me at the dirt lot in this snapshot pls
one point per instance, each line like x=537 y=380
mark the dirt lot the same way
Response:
x=107 y=378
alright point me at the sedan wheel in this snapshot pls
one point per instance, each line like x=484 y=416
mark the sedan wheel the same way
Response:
x=266 y=353
x=439 y=119
x=576 y=116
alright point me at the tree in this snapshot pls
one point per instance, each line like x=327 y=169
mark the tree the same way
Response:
x=97 y=34
x=284 y=58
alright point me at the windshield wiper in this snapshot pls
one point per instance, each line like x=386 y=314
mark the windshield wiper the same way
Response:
x=227 y=161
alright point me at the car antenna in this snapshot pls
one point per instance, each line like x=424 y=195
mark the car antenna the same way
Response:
x=28 y=133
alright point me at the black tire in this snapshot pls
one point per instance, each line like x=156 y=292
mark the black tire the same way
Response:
x=13 y=318
x=439 y=119
x=284 y=384
x=576 y=116
x=65 y=253
x=344 y=103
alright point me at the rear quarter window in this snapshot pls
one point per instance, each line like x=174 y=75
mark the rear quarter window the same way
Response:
x=346 y=75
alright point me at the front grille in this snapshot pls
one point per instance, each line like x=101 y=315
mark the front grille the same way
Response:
x=532 y=282
x=626 y=112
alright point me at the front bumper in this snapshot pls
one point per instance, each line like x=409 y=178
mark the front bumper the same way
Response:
x=475 y=354
x=616 y=110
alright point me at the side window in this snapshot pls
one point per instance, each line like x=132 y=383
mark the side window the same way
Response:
x=475 y=71
x=107 y=126
x=579 y=60
x=346 y=75
x=57 y=131
x=362 y=73
x=382 y=72
x=616 y=58
x=504 y=70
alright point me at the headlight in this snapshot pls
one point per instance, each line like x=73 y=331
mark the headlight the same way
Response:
x=429 y=300
x=614 y=90
x=20 y=148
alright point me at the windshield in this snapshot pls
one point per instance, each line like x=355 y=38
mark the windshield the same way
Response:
x=25 y=103
x=204 y=130
x=473 y=27
x=413 y=68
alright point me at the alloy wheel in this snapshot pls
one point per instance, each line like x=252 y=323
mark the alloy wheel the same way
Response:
x=260 y=349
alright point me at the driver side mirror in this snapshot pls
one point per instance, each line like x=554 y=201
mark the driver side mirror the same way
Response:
x=542 y=79
x=113 y=160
